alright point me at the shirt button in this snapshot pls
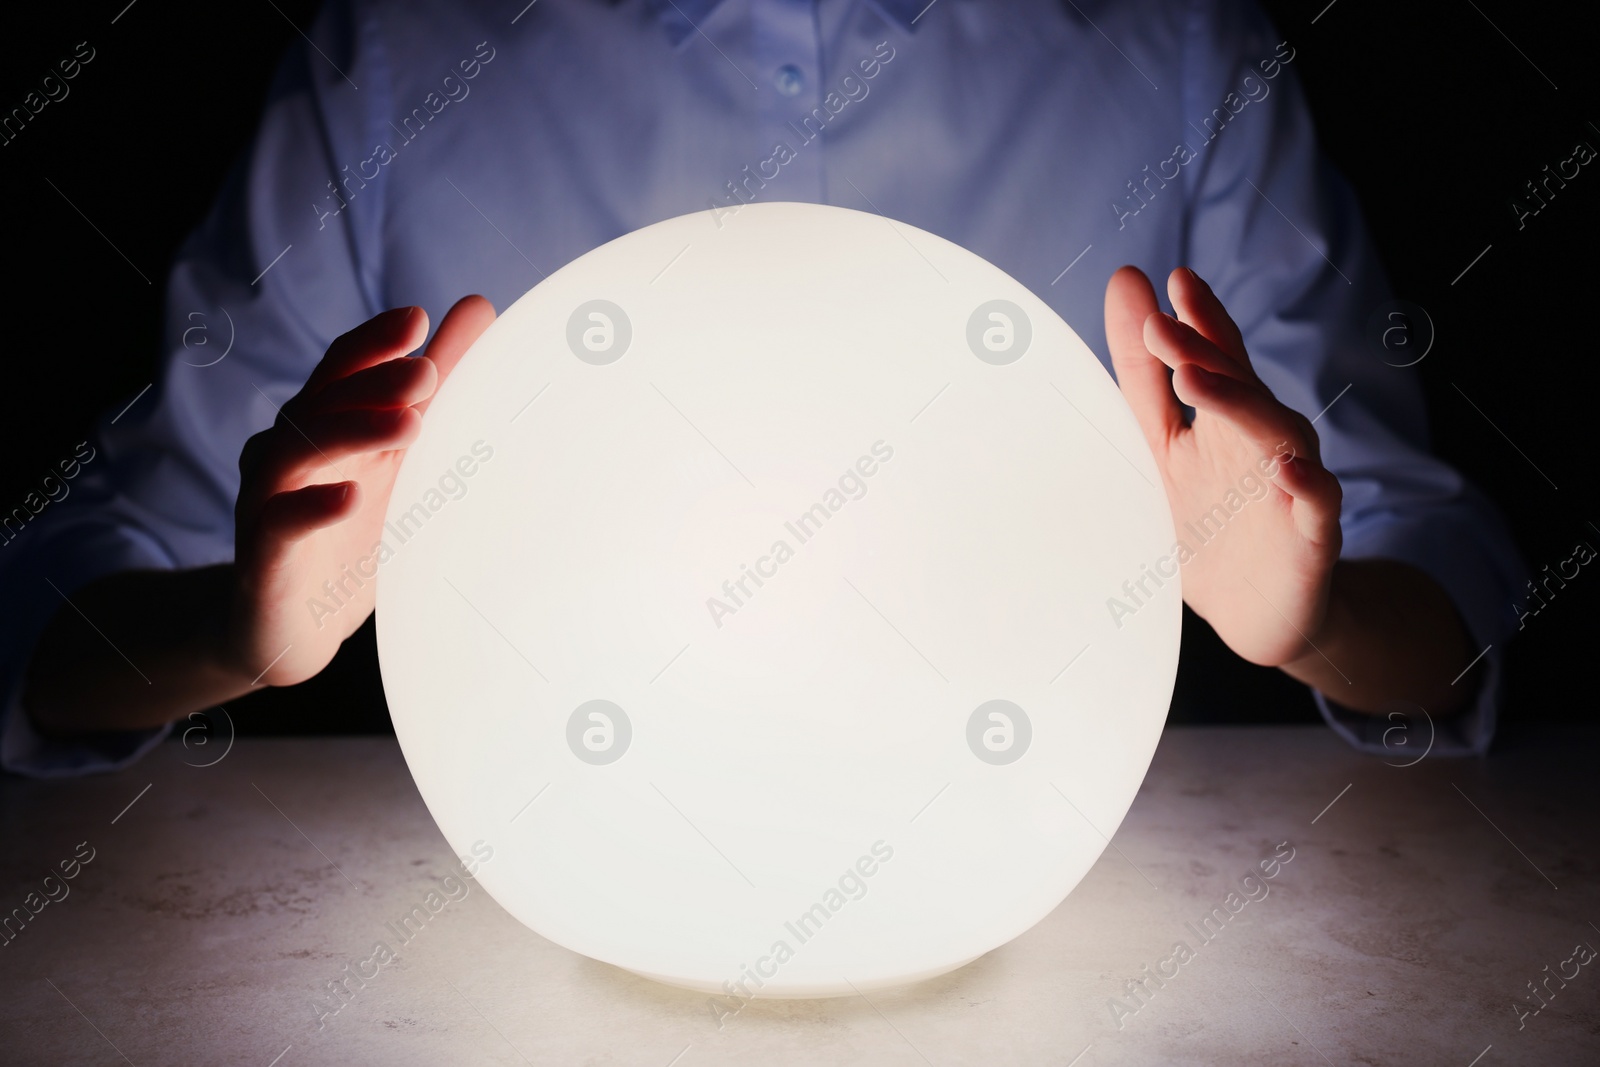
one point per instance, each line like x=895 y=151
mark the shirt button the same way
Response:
x=789 y=80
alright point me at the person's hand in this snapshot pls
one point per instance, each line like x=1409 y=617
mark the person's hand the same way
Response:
x=314 y=489
x=1263 y=580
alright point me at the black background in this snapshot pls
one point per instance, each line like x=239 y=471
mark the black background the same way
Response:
x=1431 y=111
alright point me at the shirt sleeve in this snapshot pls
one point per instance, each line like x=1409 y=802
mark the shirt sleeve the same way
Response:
x=278 y=269
x=1279 y=235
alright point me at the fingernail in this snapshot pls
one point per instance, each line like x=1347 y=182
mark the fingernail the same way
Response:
x=403 y=315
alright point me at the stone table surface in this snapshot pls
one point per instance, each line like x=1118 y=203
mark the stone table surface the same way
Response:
x=1419 y=904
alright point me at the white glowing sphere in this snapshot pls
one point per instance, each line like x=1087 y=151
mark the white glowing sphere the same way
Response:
x=749 y=596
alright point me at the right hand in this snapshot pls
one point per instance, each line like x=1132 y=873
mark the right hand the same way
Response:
x=314 y=489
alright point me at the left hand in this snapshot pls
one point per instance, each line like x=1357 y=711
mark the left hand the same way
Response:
x=1263 y=581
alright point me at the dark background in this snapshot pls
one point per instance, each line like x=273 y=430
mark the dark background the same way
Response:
x=1431 y=111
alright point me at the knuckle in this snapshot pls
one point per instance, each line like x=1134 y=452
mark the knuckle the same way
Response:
x=292 y=407
x=1309 y=433
x=250 y=455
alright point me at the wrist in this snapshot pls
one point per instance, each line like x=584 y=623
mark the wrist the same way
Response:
x=1321 y=663
x=1341 y=611
x=1390 y=634
x=221 y=640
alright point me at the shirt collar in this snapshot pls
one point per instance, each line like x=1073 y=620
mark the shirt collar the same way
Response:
x=680 y=17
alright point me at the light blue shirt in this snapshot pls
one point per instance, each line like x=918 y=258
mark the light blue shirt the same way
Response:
x=413 y=152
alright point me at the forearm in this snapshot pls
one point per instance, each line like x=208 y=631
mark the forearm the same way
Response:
x=134 y=650
x=1392 y=637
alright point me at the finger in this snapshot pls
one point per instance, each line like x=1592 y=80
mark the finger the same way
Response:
x=294 y=451
x=274 y=449
x=1306 y=479
x=293 y=516
x=463 y=324
x=385 y=336
x=398 y=383
x=1255 y=413
x=1177 y=343
x=1198 y=306
x=1144 y=381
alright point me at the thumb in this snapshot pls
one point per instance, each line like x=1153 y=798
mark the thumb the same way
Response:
x=462 y=325
x=1130 y=300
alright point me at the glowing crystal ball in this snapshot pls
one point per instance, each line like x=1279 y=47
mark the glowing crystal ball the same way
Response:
x=749 y=597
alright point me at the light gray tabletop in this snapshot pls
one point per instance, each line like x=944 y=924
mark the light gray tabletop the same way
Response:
x=1419 y=905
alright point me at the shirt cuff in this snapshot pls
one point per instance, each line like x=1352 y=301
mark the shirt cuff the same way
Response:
x=1406 y=737
x=72 y=559
x=1479 y=582
x=23 y=750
